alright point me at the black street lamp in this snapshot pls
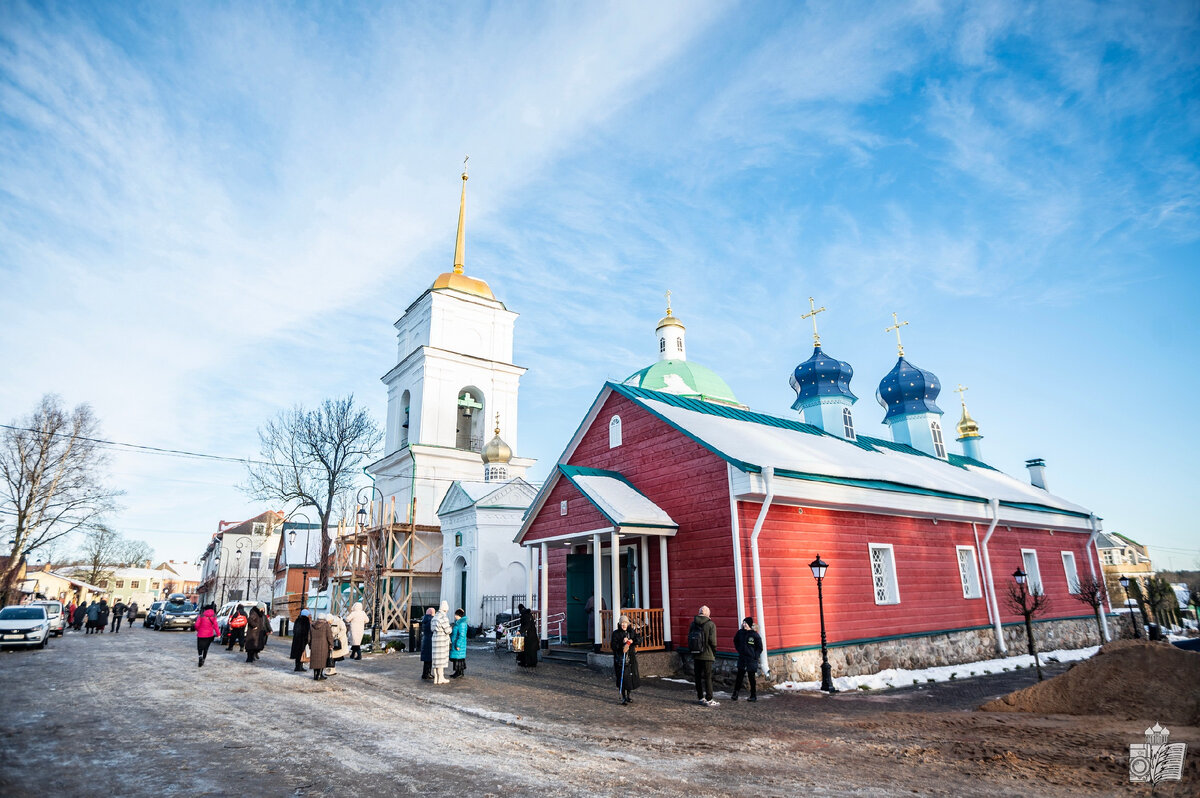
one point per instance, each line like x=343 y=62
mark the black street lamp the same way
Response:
x=1124 y=580
x=304 y=570
x=819 y=567
x=376 y=620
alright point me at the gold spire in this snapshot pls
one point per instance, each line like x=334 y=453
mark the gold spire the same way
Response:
x=669 y=320
x=497 y=451
x=456 y=279
x=898 y=324
x=967 y=426
x=462 y=212
x=813 y=316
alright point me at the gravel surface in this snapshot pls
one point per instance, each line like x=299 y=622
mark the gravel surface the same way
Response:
x=132 y=715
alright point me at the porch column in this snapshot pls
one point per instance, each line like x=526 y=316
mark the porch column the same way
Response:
x=644 y=570
x=665 y=585
x=615 y=562
x=597 y=590
x=544 y=597
x=529 y=580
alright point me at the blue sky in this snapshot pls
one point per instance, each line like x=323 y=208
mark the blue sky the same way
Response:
x=211 y=212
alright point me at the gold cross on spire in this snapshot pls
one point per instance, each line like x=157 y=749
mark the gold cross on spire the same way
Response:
x=960 y=390
x=497 y=423
x=465 y=159
x=813 y=316
x=462 y=212
x=668 y=302
x=898 y=324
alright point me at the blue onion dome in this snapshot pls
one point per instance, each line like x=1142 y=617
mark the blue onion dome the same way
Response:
x=822 y=375
x=908 y=389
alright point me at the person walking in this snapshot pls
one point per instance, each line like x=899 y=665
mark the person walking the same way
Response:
x=357 y=623
x=702 y=643
x=301 y=631
x=102 y=616
x=80 y=616
x=207 y=630
x=440 y=649
x=749 y=646
x=624 y=642
x=320 y=643
x=458 y=644
x=131 y=613
x=118 y=615
x=529 y=652
x=338 y=652
x=256 y=633
x=237 y=628
x=70 y=616
x=427 y=644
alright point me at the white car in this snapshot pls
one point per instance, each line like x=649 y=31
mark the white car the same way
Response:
x=58 y=621
x=24 y=625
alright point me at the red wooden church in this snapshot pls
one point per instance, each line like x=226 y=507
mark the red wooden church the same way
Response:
x=671 y=495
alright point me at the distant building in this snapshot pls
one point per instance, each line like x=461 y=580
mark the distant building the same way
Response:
x=1122 y=556
x=239 y=561
x=185 y=579
x=297 y=561
x=143 y=585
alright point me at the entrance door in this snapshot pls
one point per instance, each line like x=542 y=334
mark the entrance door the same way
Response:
x=579 y=590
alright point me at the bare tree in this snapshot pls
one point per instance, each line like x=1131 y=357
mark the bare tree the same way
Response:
x=313 y=456
x=133 y=553
x=52 y=474
x=98 y=557
x=1028 y=605
x=1092 y=592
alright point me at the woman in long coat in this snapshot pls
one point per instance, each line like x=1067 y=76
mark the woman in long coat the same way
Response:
x=357 y=621
x=339 y=647
x=320 y=643
x=439 y=629
x=300 y=635
x=256 y=634
x=625 y=641
x=529 y=655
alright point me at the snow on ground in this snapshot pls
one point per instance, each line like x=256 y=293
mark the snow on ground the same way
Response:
x=900 y=677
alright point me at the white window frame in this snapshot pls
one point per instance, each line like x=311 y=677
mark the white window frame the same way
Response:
x=971 y=585
x=562 y=507
x=939 y=446
x=890 y=583
x=614 y=432
x=848 y=423
x=258 y=528
x=1072 y=572
x=1033 y=576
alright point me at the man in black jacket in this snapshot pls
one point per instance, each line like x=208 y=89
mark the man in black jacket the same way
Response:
x=749 y=646
x=118 y=611
x=703 y=632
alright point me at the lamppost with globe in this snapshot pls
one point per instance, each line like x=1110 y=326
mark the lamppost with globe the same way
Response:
x=819 y=567
x=237 y=556
x=362 y=525
x=1124 y=580
x=307 y=541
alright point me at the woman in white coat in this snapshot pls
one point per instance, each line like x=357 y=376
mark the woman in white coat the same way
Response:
x=440 y=638
x=357 y=621
x=341 y=646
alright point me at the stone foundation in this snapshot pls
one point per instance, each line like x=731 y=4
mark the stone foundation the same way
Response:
x=650 y=663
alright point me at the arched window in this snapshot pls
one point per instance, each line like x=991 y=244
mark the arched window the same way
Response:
x=405 y=402
x=614 y=432
x=678 y=344
x=496 y=473
x=662 y=344
x=470 y=416
x=939 y=448
x=848 y=423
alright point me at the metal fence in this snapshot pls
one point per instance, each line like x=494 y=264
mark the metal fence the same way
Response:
x=495 y=606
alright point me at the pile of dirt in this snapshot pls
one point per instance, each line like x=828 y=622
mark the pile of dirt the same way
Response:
x=1127 y=679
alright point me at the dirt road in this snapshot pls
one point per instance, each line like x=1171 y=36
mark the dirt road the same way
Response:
x=132 y=715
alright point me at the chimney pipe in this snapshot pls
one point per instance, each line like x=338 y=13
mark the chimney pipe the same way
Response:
x=1037 y=472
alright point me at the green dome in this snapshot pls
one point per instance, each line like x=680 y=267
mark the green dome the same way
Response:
x=683 y=379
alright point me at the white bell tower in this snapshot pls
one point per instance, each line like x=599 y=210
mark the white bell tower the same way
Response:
x=454 y=372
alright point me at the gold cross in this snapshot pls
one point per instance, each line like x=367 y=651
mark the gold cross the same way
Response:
x=960 y=390
x=813 y=316
x=668 y=302
x=897 y=327
x=497 y=423
x=465 y=159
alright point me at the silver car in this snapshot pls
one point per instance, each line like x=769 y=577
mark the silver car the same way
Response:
x=58 y=620
x=24 y=625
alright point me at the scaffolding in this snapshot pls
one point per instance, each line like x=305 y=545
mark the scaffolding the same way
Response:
x=399 y=561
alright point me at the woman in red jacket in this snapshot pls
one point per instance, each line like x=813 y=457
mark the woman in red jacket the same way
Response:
x=206 y=631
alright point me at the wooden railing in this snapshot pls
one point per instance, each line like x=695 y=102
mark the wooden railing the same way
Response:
x=649 y=625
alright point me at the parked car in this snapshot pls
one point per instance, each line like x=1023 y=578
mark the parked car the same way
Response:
x=176 y=613
x=58 y=621
x=227 y=610
x=24 y=625
x=152 y=613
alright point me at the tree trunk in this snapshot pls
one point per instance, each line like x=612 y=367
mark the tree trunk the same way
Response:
x=1032 y=648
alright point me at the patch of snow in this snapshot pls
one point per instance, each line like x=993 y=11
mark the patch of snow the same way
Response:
x=901 y=677
x=620 y=501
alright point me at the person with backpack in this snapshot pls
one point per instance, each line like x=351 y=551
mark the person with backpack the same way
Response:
x=702 y=644
x=624 y=642
x=749 y=647
x=207 y=630
x=237 y=628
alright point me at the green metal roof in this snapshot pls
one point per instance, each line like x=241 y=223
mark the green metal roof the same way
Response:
x=682 y=378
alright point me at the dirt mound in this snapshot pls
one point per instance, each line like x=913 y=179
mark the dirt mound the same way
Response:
x=1127 y=679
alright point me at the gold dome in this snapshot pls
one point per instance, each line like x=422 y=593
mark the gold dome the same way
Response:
x=967 y=426
x=497 y=451
x=670 y=321
x=461 y=282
